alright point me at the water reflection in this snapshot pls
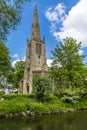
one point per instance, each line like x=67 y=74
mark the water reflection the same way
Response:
x=69 y=121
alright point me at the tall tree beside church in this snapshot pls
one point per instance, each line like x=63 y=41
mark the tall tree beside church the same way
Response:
x=10 y=16
x=68 y=69
x=5 y=66
x=18 y=73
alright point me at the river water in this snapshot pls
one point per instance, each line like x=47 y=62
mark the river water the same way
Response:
x=67 y=121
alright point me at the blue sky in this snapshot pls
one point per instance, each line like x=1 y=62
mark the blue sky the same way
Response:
x=57 y=19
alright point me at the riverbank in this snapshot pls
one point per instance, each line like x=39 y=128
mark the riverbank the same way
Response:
x=26 y=105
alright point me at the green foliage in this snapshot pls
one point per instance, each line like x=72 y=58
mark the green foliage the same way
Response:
x=70 y=95
x=50 y=98
x=16 y=96
x=4 y=59
x=18 y=103
x=52 y=104
x=6 y=69
x=38 y=107
x=68 y=69
x=18 y=73
x=42 y=85
x=83 y=93
x=14 y=103
x=70 y=99
x=2 y=93
x=10 y=16
x=12 y=106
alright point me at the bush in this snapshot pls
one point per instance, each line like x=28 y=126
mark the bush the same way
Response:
x=42 y=85
x=69 y=95
x=70 y=99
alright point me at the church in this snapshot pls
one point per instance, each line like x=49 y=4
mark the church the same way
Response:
x=35 y=62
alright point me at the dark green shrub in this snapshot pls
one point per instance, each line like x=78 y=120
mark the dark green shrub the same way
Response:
x=42 y=85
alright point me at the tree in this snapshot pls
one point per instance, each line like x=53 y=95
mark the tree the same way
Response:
x=10 y=16
x=42 y=85
x=5 y=66
x=18 y=73
x=68 y=69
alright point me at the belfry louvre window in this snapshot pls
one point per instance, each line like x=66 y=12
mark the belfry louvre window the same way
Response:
x=38 y=49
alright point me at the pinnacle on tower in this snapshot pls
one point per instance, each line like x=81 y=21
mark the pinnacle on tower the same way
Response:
x=35 y=25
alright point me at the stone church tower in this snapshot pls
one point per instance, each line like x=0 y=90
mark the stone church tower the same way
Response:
x=35 y=57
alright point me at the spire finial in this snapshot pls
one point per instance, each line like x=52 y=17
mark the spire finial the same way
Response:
x=35 y=25
x=35 y=6
x=35 y=20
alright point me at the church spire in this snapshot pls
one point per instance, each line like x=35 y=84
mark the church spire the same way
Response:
x=35 y=62
x=35 y=25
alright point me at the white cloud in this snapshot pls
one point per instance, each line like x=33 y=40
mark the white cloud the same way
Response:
x=49 y=62
x=52 y=16
x=15 y=56
x=56 y=15
x=14 y=61
x=74 y=24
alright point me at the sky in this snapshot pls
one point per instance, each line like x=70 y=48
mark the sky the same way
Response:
x=57 y=18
